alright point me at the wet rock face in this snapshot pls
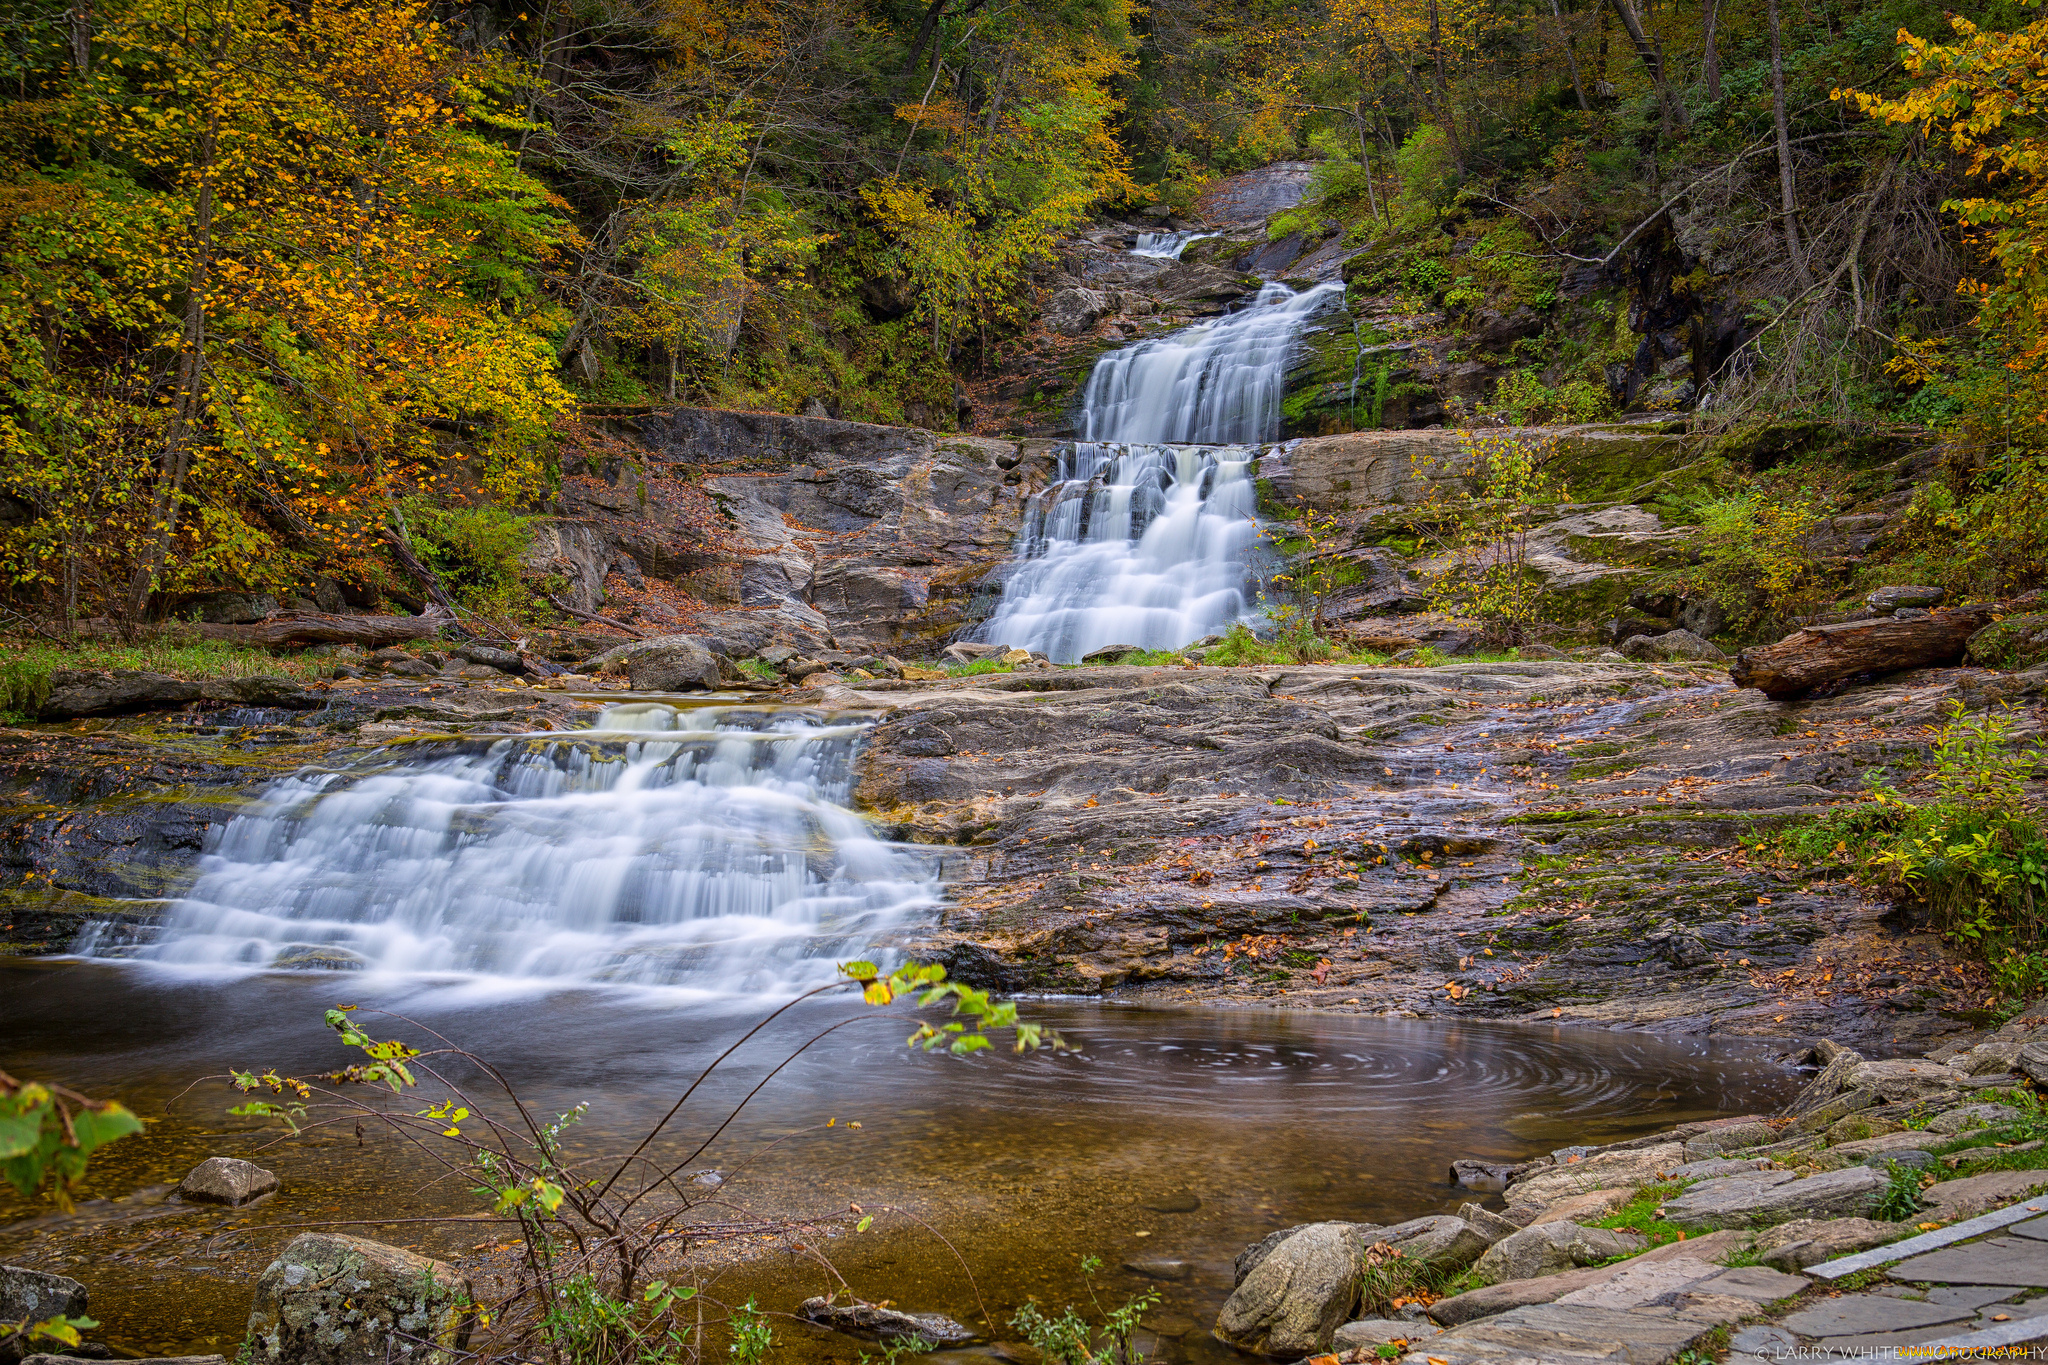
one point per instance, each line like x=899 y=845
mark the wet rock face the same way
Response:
x=1540 y=840
x=335 y=1300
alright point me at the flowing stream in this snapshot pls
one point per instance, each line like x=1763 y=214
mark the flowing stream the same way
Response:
x=706 y=847
x=1145 y=538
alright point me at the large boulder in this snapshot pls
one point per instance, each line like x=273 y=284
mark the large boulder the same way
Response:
x=334 y=1300
x=1074 y=310
x=666 y=663
x=1294 y=1298
x=1550 y=1248
x=1905 y=1080
x=226 y=1180
x=33 y=1295
x=1776 y=1197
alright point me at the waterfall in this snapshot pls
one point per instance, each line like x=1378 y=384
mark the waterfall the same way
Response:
x=709 y=847
x=1144 y=539
x=1167 y=246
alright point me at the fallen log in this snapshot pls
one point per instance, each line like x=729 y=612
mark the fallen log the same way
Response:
x=1807 y=658
x=320 y=628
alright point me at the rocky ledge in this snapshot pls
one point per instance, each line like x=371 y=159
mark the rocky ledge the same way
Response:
x=1548 y=840
x=1917 y=1179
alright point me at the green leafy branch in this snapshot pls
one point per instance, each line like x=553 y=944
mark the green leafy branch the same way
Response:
x=47 y=1130
x=960 y=1038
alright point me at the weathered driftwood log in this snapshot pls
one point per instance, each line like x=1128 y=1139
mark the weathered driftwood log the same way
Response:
x=1820 y=654
x=319 y=628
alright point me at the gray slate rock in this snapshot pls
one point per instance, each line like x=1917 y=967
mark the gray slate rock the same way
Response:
x=1891 y=599
x=1551 y=1248
x=877 y=1323
x=1714 y=1168
x=334 y=1300
x=1733 y=1137
x=2033 y=1061
x=1367 y=1333
x=1861 y=1314
x=490 y=656
x=78 y=692
x=1776 y=1197
x=1294 y=1299
x=226 y=1180
x=1109 y=654
x=1487 y=1223
x=2018 y=1261
x=37 y=1294
x=1441 y=1241
x=1953 y=1121
x=1806 y=1242
x=1829 y=1082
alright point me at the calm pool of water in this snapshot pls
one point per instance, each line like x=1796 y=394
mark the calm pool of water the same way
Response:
x=1171 y=1135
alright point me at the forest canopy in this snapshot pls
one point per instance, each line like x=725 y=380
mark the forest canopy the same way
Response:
x=275 y=273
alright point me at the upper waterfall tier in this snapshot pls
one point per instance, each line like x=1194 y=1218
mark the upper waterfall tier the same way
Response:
x=665 y=846
x=1167 y=246
x=1218 y=383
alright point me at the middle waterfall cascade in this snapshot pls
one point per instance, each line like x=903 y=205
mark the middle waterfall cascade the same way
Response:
x=1144 y=539
x=709 y=847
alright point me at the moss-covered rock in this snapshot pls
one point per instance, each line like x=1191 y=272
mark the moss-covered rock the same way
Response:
x=2014 y=643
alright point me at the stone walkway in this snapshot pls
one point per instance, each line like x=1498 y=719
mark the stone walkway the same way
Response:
x=1970 y=1288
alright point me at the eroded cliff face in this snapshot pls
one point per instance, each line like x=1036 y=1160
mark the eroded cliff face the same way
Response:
x=807 y=531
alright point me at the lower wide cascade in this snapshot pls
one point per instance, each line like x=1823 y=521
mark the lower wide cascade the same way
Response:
x=707 y=847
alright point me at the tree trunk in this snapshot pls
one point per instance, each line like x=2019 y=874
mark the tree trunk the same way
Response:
x=1670 y=109
x=1821 y=654
x=317 y=628
x=1365 y=159
x=1788 y=189
x=1443 y=87
x=398 y=538
x=185 y=408
x=1710 y=61
x=1571 y=57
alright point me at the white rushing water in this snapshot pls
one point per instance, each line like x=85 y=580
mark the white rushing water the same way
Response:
x=1145 y=538
x=705 y=847
x=1167 y=246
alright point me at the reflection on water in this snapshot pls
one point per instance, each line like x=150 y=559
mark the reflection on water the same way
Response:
x=1173 y=1135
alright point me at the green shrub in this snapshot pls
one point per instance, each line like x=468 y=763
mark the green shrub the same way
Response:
x=1901 y=1197
x=475 y=550
x=1971 y=852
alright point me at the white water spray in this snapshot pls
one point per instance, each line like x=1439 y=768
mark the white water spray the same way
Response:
x=704 y=847
x=1144 y=538
x=1167 y=246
